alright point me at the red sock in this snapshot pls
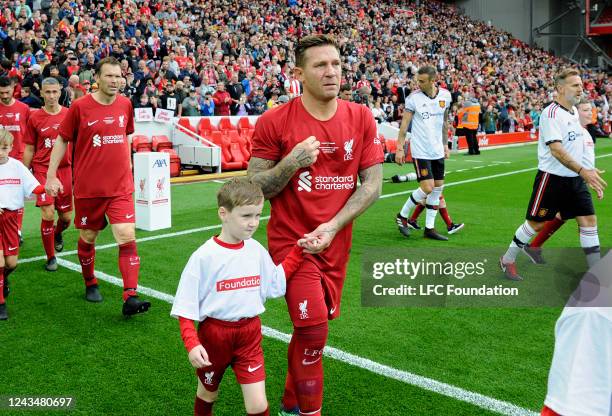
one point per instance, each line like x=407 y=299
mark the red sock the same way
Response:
x=87 y=258
x=264 y=413
x=306 y=366
x=547 y=411
x=61 y=226
x=46 y=233
x=549 y=229
x=129 y=265
x=202 y=407
x=444 y=214
x=289 y=400
x=1 y=285
x=417 y=211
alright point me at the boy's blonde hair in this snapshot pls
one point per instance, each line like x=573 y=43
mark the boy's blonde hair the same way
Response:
x=239 y=192
x=6 y=137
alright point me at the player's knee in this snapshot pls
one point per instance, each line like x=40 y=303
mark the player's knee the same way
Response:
x=66 y=216
x=125 y=233
x=89 y=236
x=10 y=263
x=426 y=187
x=208 y=396
x=537 y=226
x=589 y=221
x=47 y=212
x=256 y=405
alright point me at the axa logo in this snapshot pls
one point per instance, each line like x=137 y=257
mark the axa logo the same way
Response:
x=160 y=163
x=348 y=149
x=305 y=181
x=97 y=141
x=303 y=308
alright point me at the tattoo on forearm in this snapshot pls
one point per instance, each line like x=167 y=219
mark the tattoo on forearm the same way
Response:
x=272 y=177
x=302 y=157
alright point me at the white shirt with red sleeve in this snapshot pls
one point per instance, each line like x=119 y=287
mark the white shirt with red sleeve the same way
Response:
x=227 y=282
x=14 y=118
x=101 y=156
x=314 y=195
x=41 y=132
x=16 y=183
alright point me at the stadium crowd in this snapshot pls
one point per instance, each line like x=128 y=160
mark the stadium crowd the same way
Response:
x=236 y=57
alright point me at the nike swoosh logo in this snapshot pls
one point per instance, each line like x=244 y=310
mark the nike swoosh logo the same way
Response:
x=91 y=123
x=250 y=370
x=332 y=310
x=12 y=248
x=45 y=129
x=304 y=362
x=129 y=216
x=64 y=206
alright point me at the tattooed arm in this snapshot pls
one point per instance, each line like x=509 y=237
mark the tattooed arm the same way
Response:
x=364 y=196
x=273 y=176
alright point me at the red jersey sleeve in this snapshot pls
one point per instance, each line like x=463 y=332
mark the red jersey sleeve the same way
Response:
x=69 y=127
x=266 y=143
x=30 y=134
x=371 y=153
x=130 y=122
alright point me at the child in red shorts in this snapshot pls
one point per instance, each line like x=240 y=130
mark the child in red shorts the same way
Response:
x=16 y=183
x=223 y=287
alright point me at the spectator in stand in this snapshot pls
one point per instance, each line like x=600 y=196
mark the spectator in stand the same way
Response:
x=489 y=120
x=191 y=105
x=222 y=100
x=31 y=100
x=207 y=106
x=171 y=100
x=535 y=115
x=510 y=124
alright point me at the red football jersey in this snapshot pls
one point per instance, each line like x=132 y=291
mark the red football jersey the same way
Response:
x=14 y=118
x=41 y=133
x=349 y=144
x=101 y=156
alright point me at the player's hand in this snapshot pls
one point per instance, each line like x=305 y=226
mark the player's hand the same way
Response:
x=446 y=152
x=53 y=187
x=1 y=211
x=400 y=157
x=198 y=357
x=305 y=153
x=594 y=180
x=319 y=239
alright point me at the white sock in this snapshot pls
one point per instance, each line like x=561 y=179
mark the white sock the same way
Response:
x=589 y=241
x=524 y=233
x=431 y=204
x=417 y=196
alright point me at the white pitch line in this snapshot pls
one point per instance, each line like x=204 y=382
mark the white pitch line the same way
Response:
x=473 y=161
x=454 y=392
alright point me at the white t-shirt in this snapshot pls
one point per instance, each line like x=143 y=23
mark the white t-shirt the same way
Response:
x=580 y=378
x=16 y=183
x=559 y=125
x=427 y=123
x=588 y=155
x=227 y=282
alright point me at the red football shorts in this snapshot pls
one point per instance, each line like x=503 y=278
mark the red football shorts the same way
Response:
x=62 y=202
x=9 y=232
x=236 y=344
x=312 y=296
x=91 y=213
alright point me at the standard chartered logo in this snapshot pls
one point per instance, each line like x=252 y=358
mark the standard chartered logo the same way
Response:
x=97 y=141
x=324 y=183
x=305 y=181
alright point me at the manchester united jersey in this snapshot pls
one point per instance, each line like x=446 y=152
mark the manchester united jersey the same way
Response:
x=101 y=156
x=14 y=118
x=557 y=124
x=41 y=133
x=315 y=194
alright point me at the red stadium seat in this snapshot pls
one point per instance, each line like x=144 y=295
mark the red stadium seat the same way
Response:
x=184 y=122
x=226 y=125
x=205 y=127
x=141 y=143
x=242 y=141
x=245 y=123
x=161 y=142
x=237 y=155
x=223 y=142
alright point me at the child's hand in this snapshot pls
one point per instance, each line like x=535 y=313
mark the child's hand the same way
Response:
x=198 y=357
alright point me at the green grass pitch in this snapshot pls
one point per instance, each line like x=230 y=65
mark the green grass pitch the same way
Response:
x=57 y=344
